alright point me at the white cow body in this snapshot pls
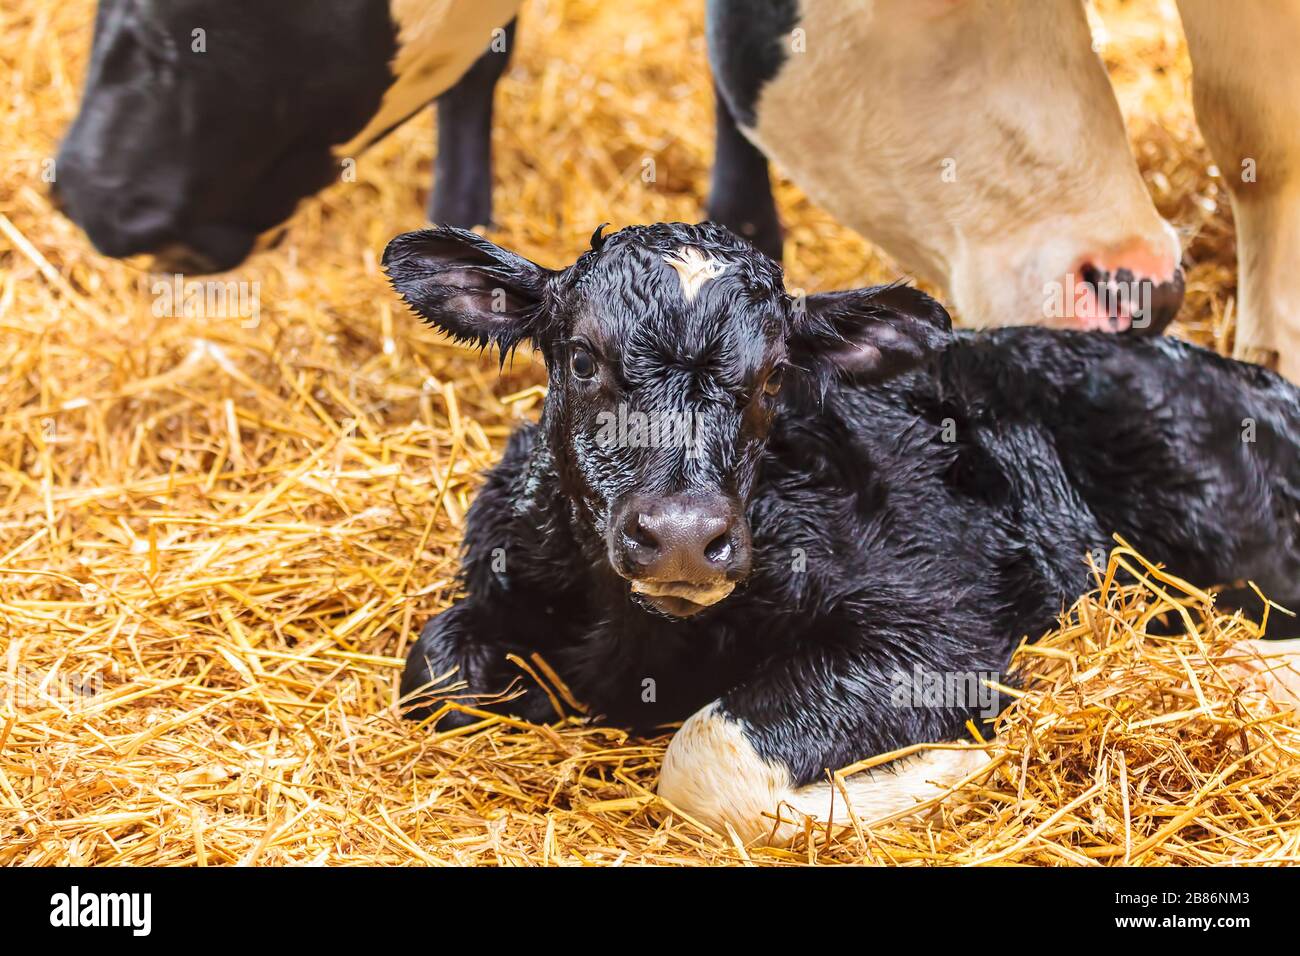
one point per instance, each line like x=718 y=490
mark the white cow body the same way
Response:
x=979 y=143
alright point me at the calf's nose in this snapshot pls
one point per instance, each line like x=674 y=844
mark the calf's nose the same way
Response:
x=682 y=538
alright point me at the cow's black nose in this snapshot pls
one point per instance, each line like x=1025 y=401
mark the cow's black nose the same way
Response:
x=682 y=538
x=123 y=221
x=1137 y=305
x=1166 y=299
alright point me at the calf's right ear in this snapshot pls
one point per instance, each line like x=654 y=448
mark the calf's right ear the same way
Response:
x=468 y=287
x=869 y=334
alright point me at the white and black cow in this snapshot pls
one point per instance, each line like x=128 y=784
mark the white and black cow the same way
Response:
x=203 y=123
x=978 y=142
x=765 y=515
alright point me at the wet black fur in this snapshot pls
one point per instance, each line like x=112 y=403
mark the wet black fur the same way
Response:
x=919 y=552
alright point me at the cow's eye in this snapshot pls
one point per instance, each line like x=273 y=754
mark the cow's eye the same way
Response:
x=582 y=363
x=772 y=384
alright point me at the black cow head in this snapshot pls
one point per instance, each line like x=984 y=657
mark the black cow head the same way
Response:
x=203 y=123
x=667 y=349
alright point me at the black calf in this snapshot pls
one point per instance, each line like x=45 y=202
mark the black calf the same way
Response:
x=851 y=494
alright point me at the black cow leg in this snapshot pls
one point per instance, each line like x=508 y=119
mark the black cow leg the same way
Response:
x=462 y=171
x=461 y=646
x=740 y=197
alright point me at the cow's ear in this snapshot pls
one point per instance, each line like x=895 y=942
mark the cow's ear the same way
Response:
x=468 y=287
x=868 y=334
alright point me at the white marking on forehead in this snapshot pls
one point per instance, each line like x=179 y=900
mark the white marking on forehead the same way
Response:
x=694 y=268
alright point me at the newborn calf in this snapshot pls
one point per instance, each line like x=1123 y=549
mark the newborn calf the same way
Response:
x=780 y=517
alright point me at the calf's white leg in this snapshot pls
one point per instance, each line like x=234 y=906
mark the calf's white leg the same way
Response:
x=712 y=772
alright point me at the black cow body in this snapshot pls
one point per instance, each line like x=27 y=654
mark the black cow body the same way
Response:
x=924 y=522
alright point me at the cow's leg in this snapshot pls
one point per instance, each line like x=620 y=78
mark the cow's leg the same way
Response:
x=715 y=772
x=724 y=768
x=469 y=642
x=1246 y=86
x=772 y=740
x=740 y=196
x=462 y=171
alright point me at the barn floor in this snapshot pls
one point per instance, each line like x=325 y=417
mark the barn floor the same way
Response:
x=218 y=535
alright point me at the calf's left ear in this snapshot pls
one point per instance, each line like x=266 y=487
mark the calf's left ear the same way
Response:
x=470 y=288
x=868 y=334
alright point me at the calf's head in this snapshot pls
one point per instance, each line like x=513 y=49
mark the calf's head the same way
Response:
x=670 y=350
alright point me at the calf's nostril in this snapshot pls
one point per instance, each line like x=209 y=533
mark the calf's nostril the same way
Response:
x=641 y=532
x=640 y=546
x=718 y=551
x=683 y=539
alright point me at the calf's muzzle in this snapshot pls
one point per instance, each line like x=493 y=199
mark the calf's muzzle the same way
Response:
x=681 y=552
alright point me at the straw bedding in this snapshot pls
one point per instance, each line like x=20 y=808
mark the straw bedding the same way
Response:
x=219 y=536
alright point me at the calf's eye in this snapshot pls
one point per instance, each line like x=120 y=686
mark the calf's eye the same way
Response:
x=772 y=384
x=582 y=363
